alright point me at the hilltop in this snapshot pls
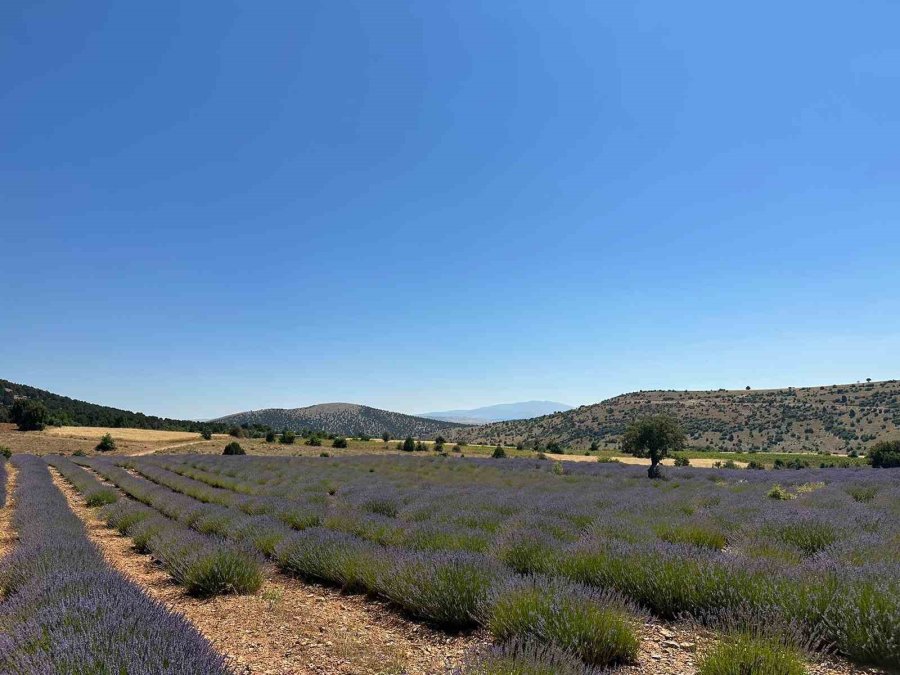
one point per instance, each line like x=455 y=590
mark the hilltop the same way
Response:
x=835 y=418
x=348 y=419
x=499 y=412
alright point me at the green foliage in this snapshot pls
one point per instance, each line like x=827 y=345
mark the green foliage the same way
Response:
x=233 y=448
x=499 y=453
x=555 y=447
x=385 y=437
x=106 y=444
x=271 y=436
x=753 y=464
x=5 y=452
x=206 y=434
x=654 y=437
x=885 y=454
x=778 y=492
x=222 y=571
x=101 y=497
x=315 y=440
x=700 y=535
x=409 y=445
x=567 y=616
x=236 y=432
x=744 y=654
x=29 y=415
x=339 y=443
x=288 y=437
x=681 y=460
x=862 y=493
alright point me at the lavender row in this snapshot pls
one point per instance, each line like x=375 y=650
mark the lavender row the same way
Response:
x=203 y=561
x=450 y=589
x=67 y=611
x=821 y=550
x=94 y=492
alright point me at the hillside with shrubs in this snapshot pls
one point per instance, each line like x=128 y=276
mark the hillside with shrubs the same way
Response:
x=842 y=418
x=345 y=419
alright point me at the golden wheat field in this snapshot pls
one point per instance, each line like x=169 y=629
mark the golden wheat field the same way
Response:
x=97 y=433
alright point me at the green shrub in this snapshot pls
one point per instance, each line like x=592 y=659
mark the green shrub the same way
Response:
x=233 y=448
x=778 y=492
x=703 y=536
x=456 y=448
x=885 y=454
x=409 y=445
x=808 y=535
x=753 y=464
x=681 y=460
x=101 y=497
x=236 y=432
x=270 y=436
x=29 y=415
x=594 y=626
x=744 y=654
x=314 y=441
x=206 y=434
x=223 y=571
x=288 y=437
x=5 y=452
x=499 y=453
x=524 y=657
x=862 y=493
x=106 y=444
x=555 y=448
x=339 y=443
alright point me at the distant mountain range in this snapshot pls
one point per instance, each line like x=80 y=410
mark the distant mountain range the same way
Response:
x=499 y=412
x=348 y=419
x=834 y=418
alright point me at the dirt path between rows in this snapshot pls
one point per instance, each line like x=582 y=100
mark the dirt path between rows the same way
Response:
x=8 y=536
x=288 y=627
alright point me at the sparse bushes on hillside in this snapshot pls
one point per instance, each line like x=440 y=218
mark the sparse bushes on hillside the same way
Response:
x=233 y=448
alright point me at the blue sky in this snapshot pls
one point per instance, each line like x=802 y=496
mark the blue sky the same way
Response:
x=214 y=206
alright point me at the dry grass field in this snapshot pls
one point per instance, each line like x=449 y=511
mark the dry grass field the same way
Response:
x=140 y=435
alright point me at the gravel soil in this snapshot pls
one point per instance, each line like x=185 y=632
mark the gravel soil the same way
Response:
x=8 y=536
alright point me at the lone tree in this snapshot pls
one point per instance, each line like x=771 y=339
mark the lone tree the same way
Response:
x=885 y=454
x=233 y=448
x=654 y=437
x=409 y=444
x=106 y=444
x=30 y=415
x=385 y=437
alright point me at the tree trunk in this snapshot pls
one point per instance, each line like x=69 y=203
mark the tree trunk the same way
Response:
x=655 y=471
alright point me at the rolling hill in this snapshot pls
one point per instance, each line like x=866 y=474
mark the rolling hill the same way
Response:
x=499 y=412
x=835 y=418
x=65 y=411
x=348 y=419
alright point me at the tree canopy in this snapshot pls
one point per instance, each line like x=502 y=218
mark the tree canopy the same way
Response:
x=654 y=437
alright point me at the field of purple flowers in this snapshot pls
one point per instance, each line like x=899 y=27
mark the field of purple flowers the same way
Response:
x=562 y=565
x=65 y=610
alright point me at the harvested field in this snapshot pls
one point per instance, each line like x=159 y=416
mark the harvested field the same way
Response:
x=147 y=435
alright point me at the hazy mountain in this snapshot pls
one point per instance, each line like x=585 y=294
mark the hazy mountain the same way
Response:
x=838 y=417
x=348 y=419
x=499 y=412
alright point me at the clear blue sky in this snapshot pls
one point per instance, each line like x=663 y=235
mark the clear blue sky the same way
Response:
x=213 y=206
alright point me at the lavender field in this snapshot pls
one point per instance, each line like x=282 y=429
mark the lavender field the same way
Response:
x=561 y=566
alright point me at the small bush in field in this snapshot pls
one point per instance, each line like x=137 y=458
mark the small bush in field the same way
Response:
x=223 y=570
x=885 y=454
x=681 y=460
x=270 y=436
x=5 y=452
x=704 y=536
x=314 y=441
x=288 y=437
x=339 y=443
x=457 y=448
x=753 y=464
x=778 y=492
x=206 y=434
x=233 y=448
x=748 y=655
x=499 y=452
x=595 y=626
x=862 y=493
x=236 y=432
x=101 y=497
x=106 y=444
